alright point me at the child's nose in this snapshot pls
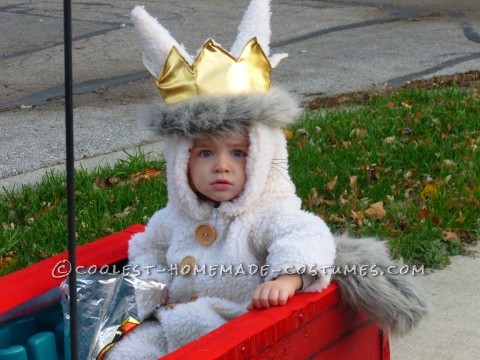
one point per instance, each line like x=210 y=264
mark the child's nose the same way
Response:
x=222 y=164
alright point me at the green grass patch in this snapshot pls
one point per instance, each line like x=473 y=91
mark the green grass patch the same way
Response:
x=108 y=199
x=404 y=168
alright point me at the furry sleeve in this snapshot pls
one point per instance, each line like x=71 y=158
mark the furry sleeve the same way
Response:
x=146 y=251
x=297 y=242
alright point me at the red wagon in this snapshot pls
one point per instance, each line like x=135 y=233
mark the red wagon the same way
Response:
x=310 y=326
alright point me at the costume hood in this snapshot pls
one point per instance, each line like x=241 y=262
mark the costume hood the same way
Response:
x=220 y=92
x=266 y=169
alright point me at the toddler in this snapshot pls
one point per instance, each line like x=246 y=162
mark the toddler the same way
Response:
x=233 y=237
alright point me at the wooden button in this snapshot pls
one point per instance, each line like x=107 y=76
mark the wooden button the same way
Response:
x=186 y=265
x=205 y=234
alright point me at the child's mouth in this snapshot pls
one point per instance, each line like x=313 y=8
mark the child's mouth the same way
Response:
x=221 y=184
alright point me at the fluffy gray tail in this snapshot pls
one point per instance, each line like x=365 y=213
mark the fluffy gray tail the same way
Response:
x=369 y=284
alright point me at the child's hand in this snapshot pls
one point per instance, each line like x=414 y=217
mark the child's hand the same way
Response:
x=275 y=292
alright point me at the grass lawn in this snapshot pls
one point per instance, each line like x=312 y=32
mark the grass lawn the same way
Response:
x=404 y=167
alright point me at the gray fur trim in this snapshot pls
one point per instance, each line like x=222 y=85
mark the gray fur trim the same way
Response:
x=214 y=115
x=395 y=302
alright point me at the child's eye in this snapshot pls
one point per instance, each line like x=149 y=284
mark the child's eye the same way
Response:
x=205 y=153
x=239 y=153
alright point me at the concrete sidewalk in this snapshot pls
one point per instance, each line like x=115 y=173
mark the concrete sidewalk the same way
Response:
x=451 y=332
x=334 y=47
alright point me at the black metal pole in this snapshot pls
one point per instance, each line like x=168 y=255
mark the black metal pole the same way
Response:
x=72 y=281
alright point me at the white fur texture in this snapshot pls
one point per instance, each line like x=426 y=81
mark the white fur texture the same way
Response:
x=255 y=23
x=263 y=226
x=156 y=41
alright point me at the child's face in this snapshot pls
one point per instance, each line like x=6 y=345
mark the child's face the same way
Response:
x=217 y=167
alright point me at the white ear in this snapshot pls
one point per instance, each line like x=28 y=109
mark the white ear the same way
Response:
x=276 y=58
x=156 y=41
x=255 y=22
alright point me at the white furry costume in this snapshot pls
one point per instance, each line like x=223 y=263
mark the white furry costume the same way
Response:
x=263 y=226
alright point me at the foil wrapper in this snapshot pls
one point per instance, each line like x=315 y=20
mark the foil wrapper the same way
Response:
x=109 y=306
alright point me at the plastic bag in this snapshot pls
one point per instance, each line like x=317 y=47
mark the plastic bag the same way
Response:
x=107 y=309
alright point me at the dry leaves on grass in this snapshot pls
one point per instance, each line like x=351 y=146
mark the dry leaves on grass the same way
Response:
x=7 y=259
x=288 y=134
x=145 y=175
x=457 y=235
x=376 y=211
x=124 y=213
x=105 y=183
x=358 y=133
x=49 y=206
x=450 y=236
x=330 y=186
x=430 y=191
x=314 y=199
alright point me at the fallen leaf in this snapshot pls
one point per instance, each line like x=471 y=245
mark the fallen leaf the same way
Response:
x=390 y=104
x=430 y=191
x=337 y=219
x=105 y=183
x=346 y=144
x=301 y=143
x=353 y=181
x=6 y=260
x=10 y=226
x=146 y=174
x=373 y=175
x=124 y=213
x=360 y=133
x=288 y=134
x=450 y=236
x=49 y=206
x=423 y=213
x=407 y=103
x=314 y=199
x=376 y=211
x=357 y=217
x=331 y=185
x=79 y=47
x=389 y=139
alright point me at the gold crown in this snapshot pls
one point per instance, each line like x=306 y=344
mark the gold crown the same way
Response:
x=215 y=71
